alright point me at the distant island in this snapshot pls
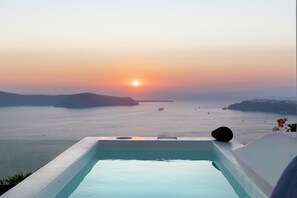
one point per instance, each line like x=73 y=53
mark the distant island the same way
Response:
x=82 y=100
x=270 y=106
x=154 y=100
x=87 y=100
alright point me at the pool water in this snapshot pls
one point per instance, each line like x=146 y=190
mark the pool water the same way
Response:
x=150 y=174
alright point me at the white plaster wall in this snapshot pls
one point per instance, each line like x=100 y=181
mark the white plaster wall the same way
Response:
x=269 y=155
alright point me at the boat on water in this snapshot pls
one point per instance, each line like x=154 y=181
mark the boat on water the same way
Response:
x=161 y=109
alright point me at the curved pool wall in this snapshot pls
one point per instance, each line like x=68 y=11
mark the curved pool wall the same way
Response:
x=51 y=179
x=269 y=155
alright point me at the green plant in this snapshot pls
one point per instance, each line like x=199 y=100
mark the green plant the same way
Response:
x=15 y=179
x=292 y=127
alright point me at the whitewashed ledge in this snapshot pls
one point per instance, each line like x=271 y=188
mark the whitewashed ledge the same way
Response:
x=257 y=166
x=268 y=156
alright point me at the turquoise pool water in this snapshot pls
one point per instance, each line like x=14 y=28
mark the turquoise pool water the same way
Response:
x=151 y=174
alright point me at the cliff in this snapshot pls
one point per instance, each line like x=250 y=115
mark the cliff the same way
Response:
x=12 y=99
x=270 y=106
x=83 y=100
x=87 y=100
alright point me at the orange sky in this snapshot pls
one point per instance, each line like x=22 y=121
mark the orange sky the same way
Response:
x=114 y=72
x=174 y=48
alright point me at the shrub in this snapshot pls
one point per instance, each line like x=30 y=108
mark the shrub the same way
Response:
x=15 y=179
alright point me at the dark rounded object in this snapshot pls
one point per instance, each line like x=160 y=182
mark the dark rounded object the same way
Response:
x=222 y=134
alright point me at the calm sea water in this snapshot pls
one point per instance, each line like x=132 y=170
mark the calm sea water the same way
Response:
x=178 y=119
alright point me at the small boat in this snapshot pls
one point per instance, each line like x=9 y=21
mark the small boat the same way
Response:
x=161 y=109
x=225 y=108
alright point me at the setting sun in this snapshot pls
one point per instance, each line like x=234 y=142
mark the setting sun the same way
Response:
x=135 y=83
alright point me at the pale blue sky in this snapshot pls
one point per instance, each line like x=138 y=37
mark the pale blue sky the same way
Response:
x=156 y=24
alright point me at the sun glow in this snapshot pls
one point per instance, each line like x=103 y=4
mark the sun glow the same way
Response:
x=135 y=83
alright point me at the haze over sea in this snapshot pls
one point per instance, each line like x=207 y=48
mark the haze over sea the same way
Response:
x=178 y=119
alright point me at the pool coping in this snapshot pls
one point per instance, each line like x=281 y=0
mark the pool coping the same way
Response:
x=254 y=185
x=47 y=179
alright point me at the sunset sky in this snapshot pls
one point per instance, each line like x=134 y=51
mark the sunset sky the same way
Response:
x=182 y=49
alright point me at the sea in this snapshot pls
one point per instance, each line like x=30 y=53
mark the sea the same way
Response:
x=32 y=136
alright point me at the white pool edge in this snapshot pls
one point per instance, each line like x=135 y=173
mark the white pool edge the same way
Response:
x=37 y=183
x=252 y=184
x=47 y=182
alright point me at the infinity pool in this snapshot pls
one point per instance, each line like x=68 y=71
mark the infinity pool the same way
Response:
x=144 y=167
x=156 y=174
